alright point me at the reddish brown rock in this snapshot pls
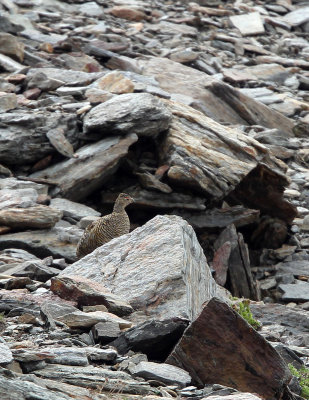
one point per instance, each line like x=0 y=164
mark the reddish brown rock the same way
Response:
x=128 y=13
x=220 y=347
x=88 y=293
x=220 y=262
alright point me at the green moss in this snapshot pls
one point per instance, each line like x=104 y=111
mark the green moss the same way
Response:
x=1 y=317
x=302 y=375
x=243 y=309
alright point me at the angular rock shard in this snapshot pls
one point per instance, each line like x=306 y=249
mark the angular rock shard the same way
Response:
x=160 y=269
x=220 y=347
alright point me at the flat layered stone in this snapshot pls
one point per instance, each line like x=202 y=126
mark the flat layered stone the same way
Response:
x=78 y=177
x=72 y=209
x=127 y=113
x=166 y=373
x=248 y=24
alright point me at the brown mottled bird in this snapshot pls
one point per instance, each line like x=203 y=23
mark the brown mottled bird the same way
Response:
x=106 y=228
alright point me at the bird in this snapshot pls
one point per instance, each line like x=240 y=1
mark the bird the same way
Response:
x=106 y=228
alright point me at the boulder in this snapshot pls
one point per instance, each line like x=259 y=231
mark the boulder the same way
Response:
x=159 y=268
x=221 y=347
x=127 y=113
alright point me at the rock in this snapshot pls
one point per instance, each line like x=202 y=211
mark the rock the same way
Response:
x=170 y=241
x=13 y=387
x=72 y=209
x=154 y=338
x=105 y=332
x=43 y=243
x=8 y=101
x=99 y=160
x=87 y=292
x=221 y=218
x=91 y=9
x=6 y=356
x=297 y=17
x=248 y=24
x=79 y=319
x=198 y=161
x=215 y=99
x=128 y=13
x=126 y=113
x=16 y=184
x=238 y=396
x=23 y=134
x=21 y=198
x=38 y=216
x=153 y=200
x=162 y=372
x=219 y=346
x=295 y=292
x=9 y=65
x=34 y=270
x=115 y=82
x=236 y=256
x=91 y=377
x=60 y=142
x=71 y=77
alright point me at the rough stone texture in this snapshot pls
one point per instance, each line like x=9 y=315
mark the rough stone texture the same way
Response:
x=295 y=291
x=248 y=24
x=42 y=243
x=219 y=346
x=78 y=177
x=6 y=356
x=88 y=293
x=80 y=319
x=127 y=113
x=215 y=99
x=30 y=144
x=162 y=372
x=72 y=209
x=38 y=216
x=214 y=159
x=91 y=377
x=154 y=338
x=236 y=396
x=159 y=268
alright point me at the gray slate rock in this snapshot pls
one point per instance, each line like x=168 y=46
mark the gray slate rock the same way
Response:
x=139 y=113
x=36 y=270
x=295 y=291
x=91 y=377
x=73 y=78
x=23 y=137
x=72 y=209
x=6 y=356
x=166 y=373
x=94 y=164
x=42 y=243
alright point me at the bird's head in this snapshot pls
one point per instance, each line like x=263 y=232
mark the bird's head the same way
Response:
x=125 y=199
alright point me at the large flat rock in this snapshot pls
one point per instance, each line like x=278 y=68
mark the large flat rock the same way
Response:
x=159 y=268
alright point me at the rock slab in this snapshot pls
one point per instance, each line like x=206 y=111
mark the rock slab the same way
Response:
x=159 y=268
x=220 y=347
